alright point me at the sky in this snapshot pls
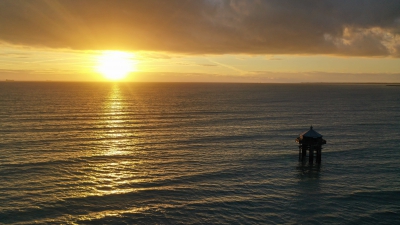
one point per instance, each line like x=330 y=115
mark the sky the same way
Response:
x=267 y=41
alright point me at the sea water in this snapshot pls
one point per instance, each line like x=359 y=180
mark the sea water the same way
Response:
x=191 y=153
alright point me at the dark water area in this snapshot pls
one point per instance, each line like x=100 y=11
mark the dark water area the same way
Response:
x=188 y=153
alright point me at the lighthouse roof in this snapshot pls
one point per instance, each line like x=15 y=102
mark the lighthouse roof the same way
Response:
x=310 y=134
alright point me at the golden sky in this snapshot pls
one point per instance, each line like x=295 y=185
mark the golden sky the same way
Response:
x=202 y=40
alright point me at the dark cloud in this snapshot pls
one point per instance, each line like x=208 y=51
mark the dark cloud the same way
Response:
x=341 y=27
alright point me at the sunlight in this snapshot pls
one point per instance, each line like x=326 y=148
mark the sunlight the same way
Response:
x=117 y=136
x=116 y=65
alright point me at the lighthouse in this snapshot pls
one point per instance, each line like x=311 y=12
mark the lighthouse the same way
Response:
x=312 y=142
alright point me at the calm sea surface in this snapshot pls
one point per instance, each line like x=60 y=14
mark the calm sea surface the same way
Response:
x=109 y=153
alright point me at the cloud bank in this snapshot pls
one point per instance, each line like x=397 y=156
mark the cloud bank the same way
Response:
x=337 y=27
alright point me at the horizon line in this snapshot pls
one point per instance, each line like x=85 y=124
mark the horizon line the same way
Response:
x=194 y=82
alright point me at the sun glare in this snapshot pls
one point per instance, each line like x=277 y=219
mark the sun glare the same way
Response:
x=116 y=65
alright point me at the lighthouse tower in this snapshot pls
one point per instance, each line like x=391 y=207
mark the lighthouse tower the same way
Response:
x=312 y=142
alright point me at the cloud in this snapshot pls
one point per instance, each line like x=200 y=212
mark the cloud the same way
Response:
x=338 y=27
x=270 y=77
x=318 y=76
x=207 y=64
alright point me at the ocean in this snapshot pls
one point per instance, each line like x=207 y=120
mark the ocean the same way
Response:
x=197 y=153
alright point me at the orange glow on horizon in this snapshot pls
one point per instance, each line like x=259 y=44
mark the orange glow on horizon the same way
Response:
x=116 y=65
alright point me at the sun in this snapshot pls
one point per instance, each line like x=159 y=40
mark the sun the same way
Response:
x=116 y=65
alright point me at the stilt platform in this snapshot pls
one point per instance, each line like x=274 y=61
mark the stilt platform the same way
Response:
x=312 y=142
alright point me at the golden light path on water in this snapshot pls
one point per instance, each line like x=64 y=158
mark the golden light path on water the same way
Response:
x=117 y=141
x=114 y=120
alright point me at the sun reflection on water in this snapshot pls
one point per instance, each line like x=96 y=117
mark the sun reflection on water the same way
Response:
x=117 y=136
x=113 y=172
